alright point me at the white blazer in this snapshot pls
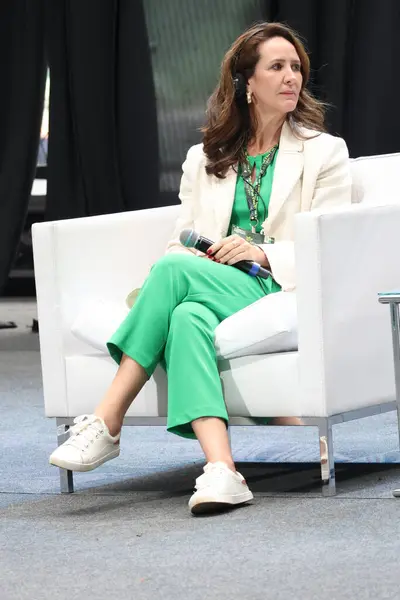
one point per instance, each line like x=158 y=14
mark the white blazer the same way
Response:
x=309 y=174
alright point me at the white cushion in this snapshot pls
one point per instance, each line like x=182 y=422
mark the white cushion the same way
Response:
x=375 y=179
x=89 y=378
x=97 y=321
x=266 y=326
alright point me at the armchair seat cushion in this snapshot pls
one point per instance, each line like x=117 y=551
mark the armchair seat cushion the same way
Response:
x=266 y=326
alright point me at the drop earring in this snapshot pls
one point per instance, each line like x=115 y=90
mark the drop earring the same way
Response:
x=248 y=96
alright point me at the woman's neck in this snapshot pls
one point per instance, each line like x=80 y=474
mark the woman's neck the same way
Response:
x=267 y=134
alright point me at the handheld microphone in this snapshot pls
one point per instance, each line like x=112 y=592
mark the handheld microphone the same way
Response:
x=191 y=239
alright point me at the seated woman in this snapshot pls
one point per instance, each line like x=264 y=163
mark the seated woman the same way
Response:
x=264 y=158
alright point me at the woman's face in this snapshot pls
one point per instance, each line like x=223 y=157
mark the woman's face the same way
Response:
x=277 y=78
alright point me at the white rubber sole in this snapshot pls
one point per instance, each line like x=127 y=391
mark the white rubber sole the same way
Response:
x=72 y=466
x=208 y=503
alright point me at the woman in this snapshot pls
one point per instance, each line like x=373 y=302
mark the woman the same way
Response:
x=264 y=158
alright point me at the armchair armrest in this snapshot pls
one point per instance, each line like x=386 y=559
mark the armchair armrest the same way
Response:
x=83 y=260
x=343 y=259
x=98 y=257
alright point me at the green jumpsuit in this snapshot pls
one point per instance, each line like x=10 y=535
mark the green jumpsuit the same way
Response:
x=173 y=320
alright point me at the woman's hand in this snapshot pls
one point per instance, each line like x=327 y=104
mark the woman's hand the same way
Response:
x=233 y=248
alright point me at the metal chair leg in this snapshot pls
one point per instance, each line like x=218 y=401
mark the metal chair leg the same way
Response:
x=395 y=322
x=66 y=481
x=66 y=477
x=229 y=431
x=327 y=459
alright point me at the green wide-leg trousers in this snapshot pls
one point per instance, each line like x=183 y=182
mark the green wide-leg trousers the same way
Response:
x=173 y=321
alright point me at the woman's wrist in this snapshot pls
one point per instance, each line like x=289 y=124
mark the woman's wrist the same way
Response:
x=263 y=259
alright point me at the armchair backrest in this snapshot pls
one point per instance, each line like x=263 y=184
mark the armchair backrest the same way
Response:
x=376 y=179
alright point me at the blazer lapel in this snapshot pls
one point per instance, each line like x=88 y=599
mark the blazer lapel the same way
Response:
x=288 y=170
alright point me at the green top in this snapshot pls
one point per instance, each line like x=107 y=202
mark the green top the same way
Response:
x=240 y=211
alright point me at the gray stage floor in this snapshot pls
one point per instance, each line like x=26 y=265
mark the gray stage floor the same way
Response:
x=127 y=531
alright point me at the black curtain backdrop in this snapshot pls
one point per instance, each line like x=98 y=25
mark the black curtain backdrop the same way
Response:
x=103 y=143
x=355 y=49
x=103 y=146
x=22 y=64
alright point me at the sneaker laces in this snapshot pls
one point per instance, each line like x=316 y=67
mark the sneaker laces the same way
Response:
x=85 y=431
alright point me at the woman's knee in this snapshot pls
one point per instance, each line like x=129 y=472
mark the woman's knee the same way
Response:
x=173 y=267
x=172 y=261
x=188 y=314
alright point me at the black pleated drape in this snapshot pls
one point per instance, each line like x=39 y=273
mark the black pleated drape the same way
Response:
x=103 y=145
x=354 y=46
x=23 y=70
x=103 y=142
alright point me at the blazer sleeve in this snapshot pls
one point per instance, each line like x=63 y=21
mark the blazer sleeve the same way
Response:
x=332 y=189
x=186 y=195
x=333 y=185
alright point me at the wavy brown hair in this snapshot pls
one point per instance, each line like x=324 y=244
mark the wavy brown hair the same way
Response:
x=230 y=125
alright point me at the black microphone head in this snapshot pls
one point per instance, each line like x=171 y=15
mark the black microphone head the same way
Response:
x=188 y=238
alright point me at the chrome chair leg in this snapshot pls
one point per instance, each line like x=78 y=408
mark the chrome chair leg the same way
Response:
x=327 y=459
x=395 y=322
x=66 y=477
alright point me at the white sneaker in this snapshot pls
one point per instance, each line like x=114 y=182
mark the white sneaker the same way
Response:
x=218 y=488
x=89 y=445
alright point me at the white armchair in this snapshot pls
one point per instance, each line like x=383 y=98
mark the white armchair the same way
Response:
x=343 y=367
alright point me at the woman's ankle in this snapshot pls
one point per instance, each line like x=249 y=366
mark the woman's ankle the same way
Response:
x=114 y=425
x=231 y=466
x=229 y=463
